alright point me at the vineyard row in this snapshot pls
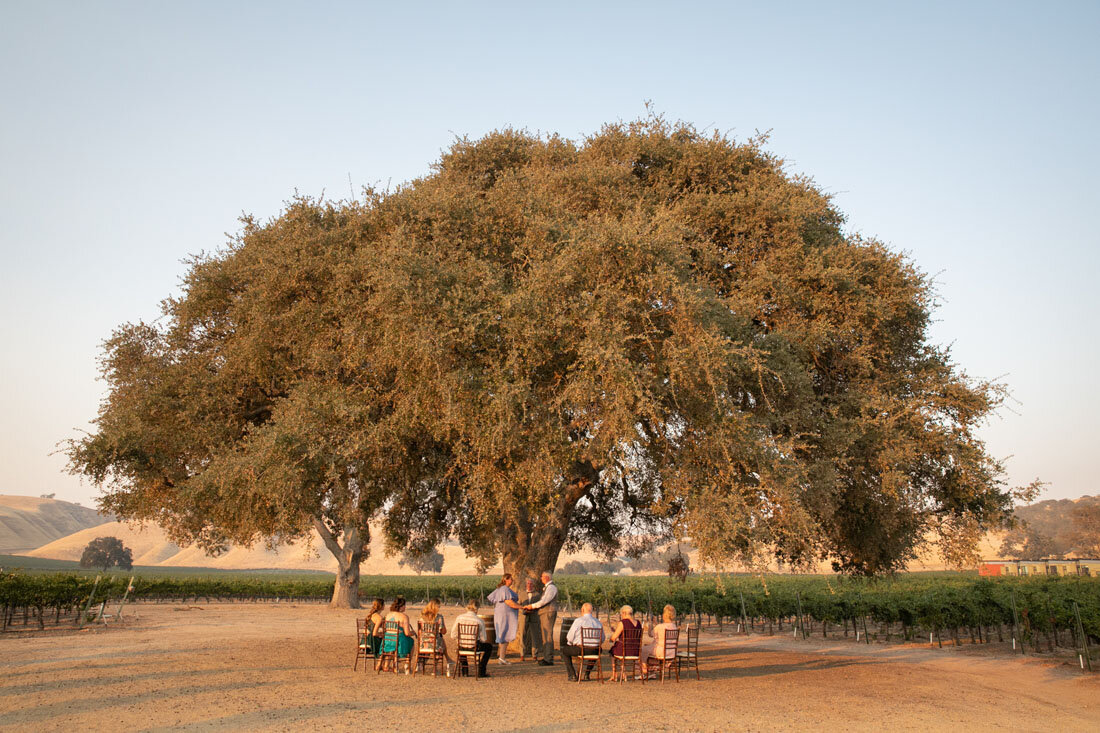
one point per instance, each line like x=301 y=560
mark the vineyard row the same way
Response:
x=1041 y=607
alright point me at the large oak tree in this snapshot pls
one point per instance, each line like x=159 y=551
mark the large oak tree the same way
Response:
x=545 y=344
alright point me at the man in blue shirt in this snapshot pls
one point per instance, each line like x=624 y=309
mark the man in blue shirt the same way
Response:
x=573 y=645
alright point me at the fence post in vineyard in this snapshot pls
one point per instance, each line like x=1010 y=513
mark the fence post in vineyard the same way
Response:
x=1084 y=637
x=129 y=589
x=801 y=617
x=84 y=613
x=744 y=616
x=1053 y=627
x=1016 y=625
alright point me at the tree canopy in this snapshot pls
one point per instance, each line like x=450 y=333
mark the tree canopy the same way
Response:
x=543 y=344
x=106 y=552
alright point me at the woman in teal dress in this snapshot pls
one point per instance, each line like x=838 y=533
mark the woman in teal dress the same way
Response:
x=404 y=630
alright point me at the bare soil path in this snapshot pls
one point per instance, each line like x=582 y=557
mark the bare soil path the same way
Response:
x=288 y=667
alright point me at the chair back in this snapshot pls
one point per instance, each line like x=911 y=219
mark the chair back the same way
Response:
x=428 y=632
x=672 y=637
x=563 y=635
x=632 y=642
x=468 y=637
x=393 y=631
x=362 y=631
x=692 y=642
x=591 y=640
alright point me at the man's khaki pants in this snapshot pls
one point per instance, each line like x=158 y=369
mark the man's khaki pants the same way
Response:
x=546 y=624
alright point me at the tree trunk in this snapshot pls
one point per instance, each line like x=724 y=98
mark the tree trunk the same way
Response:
x=345 y=592
x=531 y=545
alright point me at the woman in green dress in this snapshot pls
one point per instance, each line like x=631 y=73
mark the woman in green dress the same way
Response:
x=404 y=631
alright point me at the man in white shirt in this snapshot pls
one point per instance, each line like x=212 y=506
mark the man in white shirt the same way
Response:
x=573 y=645
x=547 y=606
x=470 y=618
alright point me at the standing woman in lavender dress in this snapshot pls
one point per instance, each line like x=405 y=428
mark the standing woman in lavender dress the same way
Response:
x=505 y=615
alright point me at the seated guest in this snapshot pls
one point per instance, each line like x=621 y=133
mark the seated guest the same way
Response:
x=431 y=615
x=375 y=627
x=572 y=647
x=656 y=648
x=626 y=622
x=484 y=648
x=404 y=631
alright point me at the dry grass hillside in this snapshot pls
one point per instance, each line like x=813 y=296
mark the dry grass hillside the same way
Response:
x=60 y=530
x=27 y=522
x=151 y=546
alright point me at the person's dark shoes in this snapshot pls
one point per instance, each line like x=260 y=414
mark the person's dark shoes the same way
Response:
x=544 y=663
x=572 y=678
x=587 y=676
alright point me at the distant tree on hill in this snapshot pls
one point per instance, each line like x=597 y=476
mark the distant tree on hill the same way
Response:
x=106 y=552
x=1054 y=528
x=1085 y=534
x=678 y=567
x=428 y=562
x=46 y=496
x=657 y=559
x=597 y=567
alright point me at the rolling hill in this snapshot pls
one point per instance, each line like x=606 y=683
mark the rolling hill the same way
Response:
x=25 y=519
x=151 y=546
x=28 y=522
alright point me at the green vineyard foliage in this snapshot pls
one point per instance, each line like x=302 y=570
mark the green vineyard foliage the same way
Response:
x=919 y=603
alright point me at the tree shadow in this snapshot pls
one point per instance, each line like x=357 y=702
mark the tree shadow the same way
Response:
x=726 y=664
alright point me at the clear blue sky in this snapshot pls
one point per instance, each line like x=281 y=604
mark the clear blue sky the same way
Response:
x=133 y=134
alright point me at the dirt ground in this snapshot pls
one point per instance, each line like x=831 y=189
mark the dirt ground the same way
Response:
x=289 y=667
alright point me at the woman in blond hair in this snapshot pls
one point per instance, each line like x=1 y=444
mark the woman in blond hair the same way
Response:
x=656 y=649
x=431 y=616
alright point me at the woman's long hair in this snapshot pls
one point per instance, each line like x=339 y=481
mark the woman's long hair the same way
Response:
x=376 y=607
x=431 y=610
x=670 y=614
x=504 y=579
x=398 y=604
